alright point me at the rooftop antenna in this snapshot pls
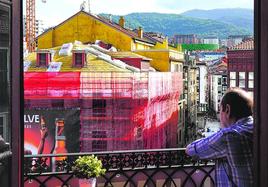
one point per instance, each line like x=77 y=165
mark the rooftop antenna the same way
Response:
x=83 y=6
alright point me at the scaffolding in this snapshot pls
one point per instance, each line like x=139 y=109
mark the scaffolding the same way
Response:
x=118 y=111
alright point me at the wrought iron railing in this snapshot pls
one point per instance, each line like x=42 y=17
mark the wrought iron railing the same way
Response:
x=165 y=167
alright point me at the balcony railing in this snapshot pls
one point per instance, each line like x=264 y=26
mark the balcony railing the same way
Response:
x=165 y=167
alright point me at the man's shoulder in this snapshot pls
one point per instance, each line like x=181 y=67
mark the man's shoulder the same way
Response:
x=229 y=130
x=238 y=131
x=244 y=124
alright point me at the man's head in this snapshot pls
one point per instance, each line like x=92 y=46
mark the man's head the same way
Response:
x=235 y=104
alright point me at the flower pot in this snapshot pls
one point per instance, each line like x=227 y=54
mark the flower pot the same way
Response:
x=87 y=182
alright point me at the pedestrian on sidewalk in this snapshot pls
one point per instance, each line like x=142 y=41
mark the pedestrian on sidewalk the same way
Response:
x=232 y=146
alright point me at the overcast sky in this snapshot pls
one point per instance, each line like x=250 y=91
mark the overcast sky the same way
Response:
x=55 y=11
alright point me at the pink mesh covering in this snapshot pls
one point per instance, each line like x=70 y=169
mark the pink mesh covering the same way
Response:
x=119 y=111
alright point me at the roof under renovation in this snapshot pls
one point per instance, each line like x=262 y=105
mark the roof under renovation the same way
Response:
x=98 y=60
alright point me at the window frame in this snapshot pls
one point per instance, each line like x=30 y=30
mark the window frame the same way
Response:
x=232 y=80
x=242 y=79
x=260 y=94
x=250 y=80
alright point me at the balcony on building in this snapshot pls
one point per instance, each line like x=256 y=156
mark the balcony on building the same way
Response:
x=164 y=167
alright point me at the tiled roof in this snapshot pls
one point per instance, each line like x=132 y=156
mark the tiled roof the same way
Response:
x=127 y=31
x=245 y=45
x=218 y=69
x=151 y=36
x=94 y=64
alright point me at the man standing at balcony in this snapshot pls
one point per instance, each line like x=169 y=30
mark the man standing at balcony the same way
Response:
x=232 y=146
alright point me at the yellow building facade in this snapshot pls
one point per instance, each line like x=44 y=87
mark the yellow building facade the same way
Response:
x=88 y=28
x=164 y=60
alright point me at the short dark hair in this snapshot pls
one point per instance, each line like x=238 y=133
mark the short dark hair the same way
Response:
x=240 y=101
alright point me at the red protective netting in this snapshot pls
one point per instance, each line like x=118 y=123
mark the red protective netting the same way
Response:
x=117 y=110
x=47 y=85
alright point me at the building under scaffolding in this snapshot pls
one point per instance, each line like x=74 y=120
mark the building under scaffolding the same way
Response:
x=117 y=110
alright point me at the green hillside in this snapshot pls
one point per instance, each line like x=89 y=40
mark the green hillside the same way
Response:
x=240 y=17
x=170 y=24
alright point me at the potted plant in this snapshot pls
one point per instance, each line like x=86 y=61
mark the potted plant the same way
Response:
x=87 y=168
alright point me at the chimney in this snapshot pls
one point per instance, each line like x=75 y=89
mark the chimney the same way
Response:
x=140 y=32
x=122 y=21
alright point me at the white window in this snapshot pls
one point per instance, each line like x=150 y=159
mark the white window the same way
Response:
x=250 y=79
x=242 y=81
x=174 y=67
x=232 y=79
x=250 y=75
x=232 y=83
x=250 y=83
x=232 y=75
x=242 y=84
x=242 y=75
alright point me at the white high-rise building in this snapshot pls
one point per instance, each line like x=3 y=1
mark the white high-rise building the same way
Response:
x=211 y=40
x=39 y=27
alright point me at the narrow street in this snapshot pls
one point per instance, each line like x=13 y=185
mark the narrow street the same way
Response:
x=211 y=127
x=208 y=126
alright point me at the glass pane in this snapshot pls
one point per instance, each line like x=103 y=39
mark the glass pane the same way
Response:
x=172 y=67
x=224 y=88
x=250 y=84
x=4 y=72
x=219 y=81
x=224 y=80
x=251 y=94
x=242 y=75
x=43 y=60
x=78 y=59
x=177 y=68
x=232 y=83
x=242 y=83
x=4 y=91
x=250 y=75
x=232 y=75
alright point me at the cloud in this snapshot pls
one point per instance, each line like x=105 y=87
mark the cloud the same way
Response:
x=122 y=7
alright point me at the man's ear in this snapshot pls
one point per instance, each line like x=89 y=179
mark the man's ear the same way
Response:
x=228 y=110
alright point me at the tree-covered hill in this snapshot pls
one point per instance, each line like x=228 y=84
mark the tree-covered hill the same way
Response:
x=170 y=24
